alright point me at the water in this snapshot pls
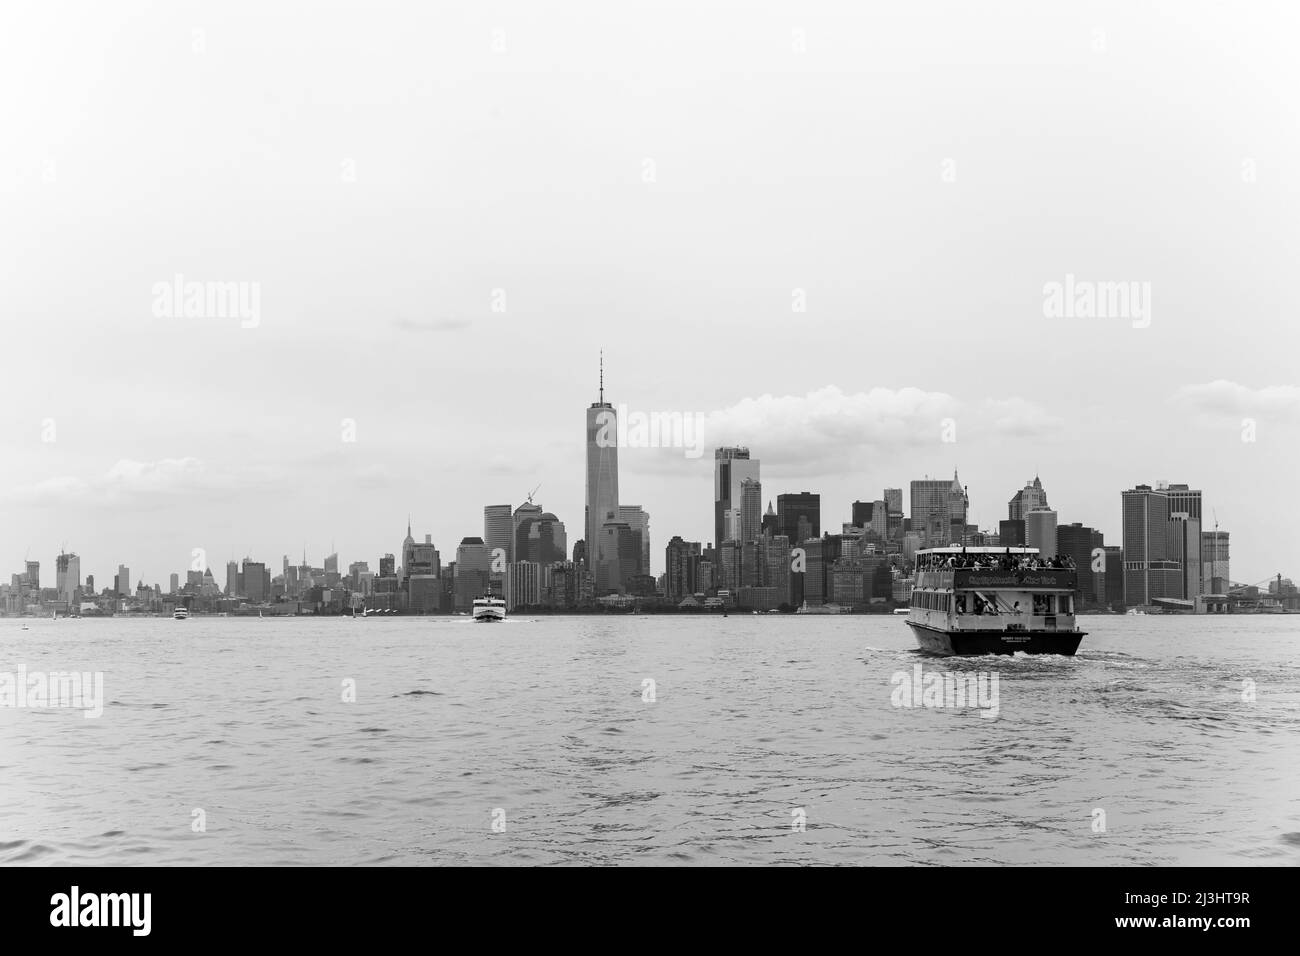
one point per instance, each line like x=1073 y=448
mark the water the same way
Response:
x=753 y=719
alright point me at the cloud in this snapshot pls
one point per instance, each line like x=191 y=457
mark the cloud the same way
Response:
x=829 y=430
x=431 y=325
x=1018 y=418
x=1222 y=400
x=146 y=484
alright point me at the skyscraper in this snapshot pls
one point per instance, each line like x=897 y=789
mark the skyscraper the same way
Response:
x=1029 y=498
x=602 y=480
x=636 y=518
x=1185 y=540
x=1078 y=541
x=539 y=536
x=67 y=576
x=232 y=578
x=473 y=569
x=1150 y=568
x=1040 y=531
x=939 y=508
x=254 y=573
x=498 y=530
x=751 y=509
x=1214 y=562
x=800 y=516
x=123 y=580
x=681 y=559
x=894 y=501
x=731 y=466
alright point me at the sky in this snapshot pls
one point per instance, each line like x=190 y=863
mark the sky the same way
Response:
x=828 y=231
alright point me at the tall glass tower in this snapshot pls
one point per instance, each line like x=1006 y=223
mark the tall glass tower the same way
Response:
x=602 y=477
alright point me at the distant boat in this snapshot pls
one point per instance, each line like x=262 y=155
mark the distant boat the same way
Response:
x=487 y=609
x=181 y=614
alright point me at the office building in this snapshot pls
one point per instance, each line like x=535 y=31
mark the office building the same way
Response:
x=732 y=466
x=602 y=484
x=1030 y=498
x=1151 y=569
x=800 y=516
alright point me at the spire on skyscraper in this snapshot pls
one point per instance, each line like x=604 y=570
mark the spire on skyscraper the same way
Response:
x=602 y=376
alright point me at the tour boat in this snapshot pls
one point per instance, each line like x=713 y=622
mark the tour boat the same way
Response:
x=489 y=609
x=181 y=613
x=993 y=601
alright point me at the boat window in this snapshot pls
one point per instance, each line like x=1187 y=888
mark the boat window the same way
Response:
x=961 y=604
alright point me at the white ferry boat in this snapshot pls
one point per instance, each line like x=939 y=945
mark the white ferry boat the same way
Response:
x=993 y=601
x=181 y=613
x=489 y=609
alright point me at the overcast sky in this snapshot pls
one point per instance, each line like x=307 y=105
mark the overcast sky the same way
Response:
x=450 y=208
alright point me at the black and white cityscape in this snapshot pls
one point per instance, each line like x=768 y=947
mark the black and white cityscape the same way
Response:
x=767 y=554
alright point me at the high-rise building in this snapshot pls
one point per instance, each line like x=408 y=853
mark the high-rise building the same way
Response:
x=232 y=578
x=523 y=585
x=731 y=467
x=1185 y=548
x=408 y=546
x=681 y=559
x=256 y=588
x=894 y=501
x=175 y=583
x=1011 y=534
x=1040 y=531
x=1114 y=583
x=1078 y=542
x=1151 y=568
x=636 y=518
x=751 y=509
x=771 y=521
x=1214 y=562
x=775 y=566
x=602 y=483
x=539 y=537
x=800 y=515
x=123 y=580
x=498 y=530
x=620 y=549
x=473 y=572
x=939 y=509
x=67 y=576
x=1030 y=498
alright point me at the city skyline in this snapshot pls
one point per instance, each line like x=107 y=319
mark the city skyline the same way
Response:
x=688 y=253
x=733 y=469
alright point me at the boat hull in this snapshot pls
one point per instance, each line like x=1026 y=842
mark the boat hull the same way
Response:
x=970 y=642
x=487 y=615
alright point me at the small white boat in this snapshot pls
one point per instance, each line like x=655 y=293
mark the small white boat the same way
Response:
x=181 y=614
x=489 y=609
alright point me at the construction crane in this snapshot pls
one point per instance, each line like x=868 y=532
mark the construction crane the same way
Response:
x=533 y=492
